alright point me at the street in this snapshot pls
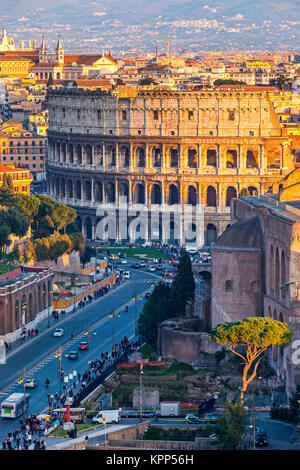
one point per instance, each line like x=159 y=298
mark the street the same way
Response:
x=38 y=356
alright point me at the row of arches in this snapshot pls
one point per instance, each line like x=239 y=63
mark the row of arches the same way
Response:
x=277 y=271
x=157 y=156
x=25 y=308
x=141 y=193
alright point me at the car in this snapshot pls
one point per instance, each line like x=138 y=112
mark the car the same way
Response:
x=142 y=264
x=261 y=440
x=147 y=294
x=72 y=355
x=83 y=346
x=159 y=267
x=123 y=261
x=136 y=265
x=30 y=383
x=152 y=268
x=58 y=332
x=210 y=418
x=192 y=419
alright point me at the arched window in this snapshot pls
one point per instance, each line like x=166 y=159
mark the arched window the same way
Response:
x=230 y=194
x=211 y=197
x=277 y=272
x=272 y=268
x=282 y=273
x=229 y=285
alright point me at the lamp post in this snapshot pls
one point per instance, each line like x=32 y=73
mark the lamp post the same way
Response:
x=112 y=315
x=141 y=391
x=290 y=283
x=23 y=317
x=58 y=354
x=88 y=333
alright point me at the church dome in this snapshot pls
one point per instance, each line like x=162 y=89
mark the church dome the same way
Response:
x=245 y=233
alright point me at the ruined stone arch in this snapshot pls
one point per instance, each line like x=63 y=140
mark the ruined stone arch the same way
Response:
x=110 y=155
x=156 y=156
x=139 y=193
x=124 y=156
x=252 y=158
x=273 y=156
x=173 y=194
x=211 y=156
x=190 y=154
x=124 y=190
x=98 y=191
x=211 y=196
x=140 y=157
x=88 y=154
x=71 y=153
x=78 y=154
x=78 y=190
x=110 y=195
x=231 y=157
x=230 y=193
x=88 y=228
x=155 y=193
x=70 y=189
x=173 y=157
x=87 y=190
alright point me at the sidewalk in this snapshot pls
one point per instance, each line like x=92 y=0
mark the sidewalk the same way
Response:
x=42 y=326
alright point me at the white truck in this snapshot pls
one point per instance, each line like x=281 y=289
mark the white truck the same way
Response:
x=110 y=416
x=170 y=408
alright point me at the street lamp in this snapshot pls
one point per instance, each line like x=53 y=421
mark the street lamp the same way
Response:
x=290 y=283
x=141 y=392
x=58 y=355
x=112 y=315
x=88 y=333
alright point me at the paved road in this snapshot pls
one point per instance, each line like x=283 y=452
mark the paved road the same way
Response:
x=37 y=356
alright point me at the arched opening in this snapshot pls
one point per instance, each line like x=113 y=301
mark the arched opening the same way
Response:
x=282 y=273
x=155 y=194
x=71 y=153
x=78 y=154
x=87 y=191
x=174 y=158
x=211 y=197
x=57 y=187
x=124 y=156
x=231 y=159
x=58 y=151
x=230 y=194
x=272 y=268
x=211 y=158
x=98 y=192
x=110 y=153
x=64 y=152
x=156 y=157
x=89 y=154
x=229 y=285
x=192 y=158
x=252 y=190
x=192 y=195
x=277 y=272
x=78 y=190
x=123 y=190
x=211 y=234
x=88 y=228
x=139 y=194
x=17 y=315
x=173 y=194
x=78 y=223
x=110 y=193
x=70 y=189
x=251 y=159
x=140 y=158
x=63 y=187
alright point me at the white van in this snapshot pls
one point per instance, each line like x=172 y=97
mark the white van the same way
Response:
x=110 y=416
x=126 y=275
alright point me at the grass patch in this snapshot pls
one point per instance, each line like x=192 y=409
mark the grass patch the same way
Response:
x=137 y=253
x=6 y=268
x=156 y=433
x=147 y=350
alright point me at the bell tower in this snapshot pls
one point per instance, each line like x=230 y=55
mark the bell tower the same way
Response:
x=59 y=51
x=43 y=51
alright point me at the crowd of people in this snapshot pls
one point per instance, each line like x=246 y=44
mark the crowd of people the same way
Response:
x=29 y=433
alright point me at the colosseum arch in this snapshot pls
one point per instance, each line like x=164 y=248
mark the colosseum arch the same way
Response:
x=78 y=190
x=124 y=190
x=210 y=234
x=17 y=315
x=191 y=157
x=78 y=223
x=71 y=153
x=87 y=191
x=191 y=195
x=98 y=191
x=173 y=194
x=30 y=309
x=124 y=157
x=231 y=158
x=110 y=196
x=173 y=155
x=57 y=151
x=88 y=150
x=211 y=196
x=272 y=269
x=252 y=158
x=63 y=188
x=139 y=194
x=155 y=194
x=64 y=152
x=277 y=272
x=57 y=187
x=230 y=194
x=98 y=157
x=156 y=156
x=78 y=154
x=282 y=272
x=70 y=189
x=252 y=190
x=140 y=157
x=110 y=155
x=88 y=228
x=211 y=157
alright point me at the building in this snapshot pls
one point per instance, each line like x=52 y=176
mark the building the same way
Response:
x=23 y=148
x=163 y=148
x=256 y=267
x=5 y=112
x=25 y=299
x=21 y=178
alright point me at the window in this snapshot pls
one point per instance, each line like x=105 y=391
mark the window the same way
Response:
x=251 y=133
x=231 y=116
x=19 y=144
x=26 y=143
x=190 y=115
x=155 y=115
x=228 y=286
x=11 y=144
x=26 y=151
x=211 y=132
x=41 y=151
x=41 y=143
x=98 y=114
x=11 y=151
x=124 y=115
x=33 y=143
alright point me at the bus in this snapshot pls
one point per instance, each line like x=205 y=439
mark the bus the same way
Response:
x=14 y=405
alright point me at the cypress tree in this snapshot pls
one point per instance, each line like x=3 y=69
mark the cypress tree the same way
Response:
x=183 y=286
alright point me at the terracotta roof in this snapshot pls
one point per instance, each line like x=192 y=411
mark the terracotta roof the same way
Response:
x=246 y=87
x=245 y=233
x=10 y=169
x=85 y=59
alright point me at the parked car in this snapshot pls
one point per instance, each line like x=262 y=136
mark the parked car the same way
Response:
x=136 y=265
x=261 y=440
x=83 y=346
x=72 y=355
x=30 y=383
x=142 y=264
x=191 y=419
x=210 y=418
x=152 y=268
x=58 y=332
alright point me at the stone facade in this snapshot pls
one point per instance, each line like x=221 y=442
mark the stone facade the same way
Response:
x=24 y=301
x=162 y=149
x=261 y=276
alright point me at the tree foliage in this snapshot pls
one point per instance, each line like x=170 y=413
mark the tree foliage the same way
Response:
x=183 y=286
x=7 y=184
x=256 y=334
x=231 y=426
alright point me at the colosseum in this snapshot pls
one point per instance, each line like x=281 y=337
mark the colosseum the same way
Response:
x=163 y=149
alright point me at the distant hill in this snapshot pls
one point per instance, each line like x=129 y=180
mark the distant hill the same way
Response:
x=268 y=24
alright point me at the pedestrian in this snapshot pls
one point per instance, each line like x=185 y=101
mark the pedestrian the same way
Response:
x=4 y=442
x=36 y=332
x=9 y=446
